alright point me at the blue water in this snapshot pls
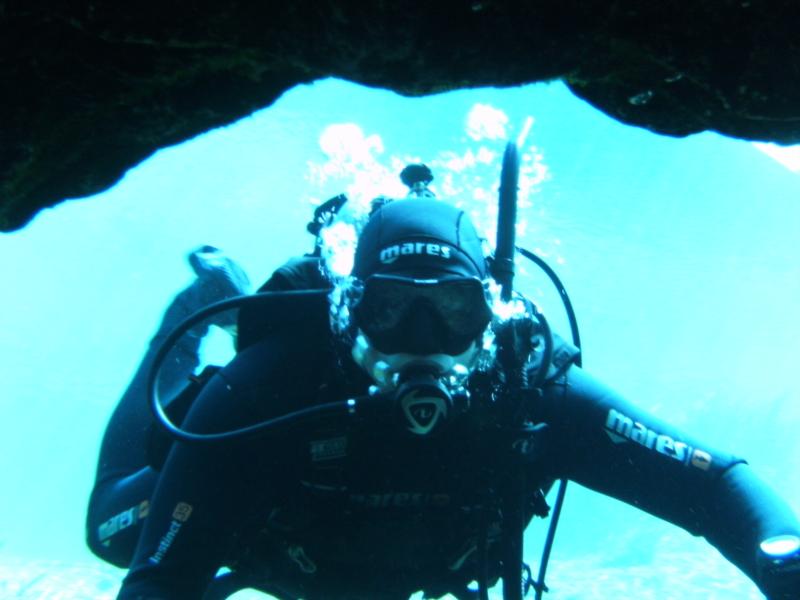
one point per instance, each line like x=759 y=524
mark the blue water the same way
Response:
x=680 y=256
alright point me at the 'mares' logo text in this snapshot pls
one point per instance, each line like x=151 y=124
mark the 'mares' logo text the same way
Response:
x=392 y=253
x=621 y=428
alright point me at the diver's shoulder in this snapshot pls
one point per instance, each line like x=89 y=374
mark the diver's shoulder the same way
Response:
x=291 y=315
x=298 y=273
x=293 y=355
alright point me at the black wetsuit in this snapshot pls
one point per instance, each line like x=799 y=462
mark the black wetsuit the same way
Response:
x=354 y=506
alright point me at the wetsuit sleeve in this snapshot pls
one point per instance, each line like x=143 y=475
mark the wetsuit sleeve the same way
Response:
x=605 y=443
x=124 y=446
x=182 y=542
x=210 y=496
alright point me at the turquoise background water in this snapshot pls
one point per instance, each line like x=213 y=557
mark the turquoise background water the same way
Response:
x=680 y=255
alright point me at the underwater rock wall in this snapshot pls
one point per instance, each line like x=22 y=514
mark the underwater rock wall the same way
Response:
x=93 y=88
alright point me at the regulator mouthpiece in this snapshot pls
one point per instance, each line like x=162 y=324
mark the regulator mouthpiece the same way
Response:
x=423 y=399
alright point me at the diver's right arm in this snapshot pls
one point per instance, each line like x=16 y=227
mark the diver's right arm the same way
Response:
x=209 y=496
x=604 y=442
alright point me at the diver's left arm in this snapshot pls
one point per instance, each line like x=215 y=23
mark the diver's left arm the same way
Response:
x=607 y=444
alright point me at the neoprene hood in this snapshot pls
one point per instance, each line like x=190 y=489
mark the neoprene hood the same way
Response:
x=419 y=238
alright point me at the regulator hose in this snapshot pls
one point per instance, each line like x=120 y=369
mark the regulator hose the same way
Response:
x=351 y=405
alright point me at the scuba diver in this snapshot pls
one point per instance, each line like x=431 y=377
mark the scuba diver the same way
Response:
x=395 y=431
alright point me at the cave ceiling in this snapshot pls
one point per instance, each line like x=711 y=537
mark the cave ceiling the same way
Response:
x=90 y=89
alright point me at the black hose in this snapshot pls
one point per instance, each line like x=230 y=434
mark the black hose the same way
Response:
x=177 y=433
x=573 y=321
x=483 y=555
x=540 y=585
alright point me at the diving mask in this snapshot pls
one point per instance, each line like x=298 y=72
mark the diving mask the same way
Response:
x=422 y=316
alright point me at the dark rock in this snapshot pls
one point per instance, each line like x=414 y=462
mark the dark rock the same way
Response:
x=91 y=89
